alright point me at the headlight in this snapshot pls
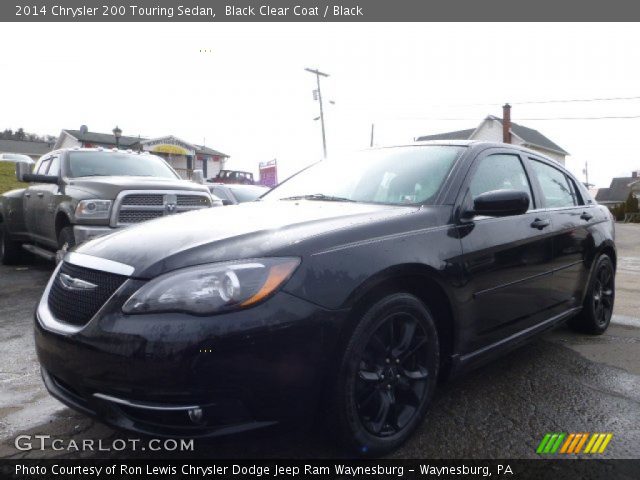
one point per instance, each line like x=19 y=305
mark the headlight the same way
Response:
x=212 y=288
x=93 y=209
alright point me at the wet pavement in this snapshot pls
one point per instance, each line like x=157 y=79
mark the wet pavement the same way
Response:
x=561 y=382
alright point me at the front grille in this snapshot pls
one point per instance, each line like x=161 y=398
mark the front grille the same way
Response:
x=136 y=207
x=143 y=199
x=193 y=201
x=78 y=306
x=137 y=216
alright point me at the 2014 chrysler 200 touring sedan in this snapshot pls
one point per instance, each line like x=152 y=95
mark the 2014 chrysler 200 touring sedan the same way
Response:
x=352 y=287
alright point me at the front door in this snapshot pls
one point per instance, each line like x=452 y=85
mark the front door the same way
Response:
x=507 y=261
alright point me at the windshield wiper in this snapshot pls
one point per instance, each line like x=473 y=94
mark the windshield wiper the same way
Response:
x=320 y=197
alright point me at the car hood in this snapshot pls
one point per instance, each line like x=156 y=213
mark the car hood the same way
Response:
x=241 y=231
x=108 y=187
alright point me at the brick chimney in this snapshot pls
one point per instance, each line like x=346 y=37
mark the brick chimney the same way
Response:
x=506 y=123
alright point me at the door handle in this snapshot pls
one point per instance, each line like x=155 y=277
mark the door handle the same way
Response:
x=28 y=195
x=40 y=194
x=586 y=216
x=540 y=223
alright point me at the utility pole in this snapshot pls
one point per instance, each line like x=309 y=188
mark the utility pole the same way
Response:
x=319 y=74
x=372 y=127
x=586 y=173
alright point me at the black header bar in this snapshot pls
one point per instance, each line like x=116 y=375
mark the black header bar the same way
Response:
x=316 y=10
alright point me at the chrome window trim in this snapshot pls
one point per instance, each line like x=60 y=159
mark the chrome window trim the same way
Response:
x=117 y=204
x=97 y=263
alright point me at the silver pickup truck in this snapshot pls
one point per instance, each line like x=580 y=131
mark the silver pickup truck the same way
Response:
x=76 y=194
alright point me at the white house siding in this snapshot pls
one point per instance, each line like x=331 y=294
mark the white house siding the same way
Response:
x=491 y=131
x=69 y=142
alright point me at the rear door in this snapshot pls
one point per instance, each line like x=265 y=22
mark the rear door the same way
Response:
x=571 y=220
x=507 y=261
x=33 y=198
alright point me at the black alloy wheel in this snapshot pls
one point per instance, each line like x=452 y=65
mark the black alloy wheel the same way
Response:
x=393 y=377
x=388 y=375
x=597 y=310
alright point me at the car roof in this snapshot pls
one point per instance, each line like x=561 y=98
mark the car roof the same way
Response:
x=480 y=145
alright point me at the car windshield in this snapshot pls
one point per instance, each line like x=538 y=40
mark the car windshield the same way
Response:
x=396 y=176
x=247 y=193
x=94 y=164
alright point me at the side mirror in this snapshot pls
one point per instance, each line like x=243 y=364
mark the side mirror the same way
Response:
x=501 y=203
x=22 y=169
x=198 y=177
x=226 y=201
x=33 y=178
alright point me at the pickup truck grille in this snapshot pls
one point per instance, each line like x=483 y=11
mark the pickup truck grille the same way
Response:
x=136 y=207
x=78 y=306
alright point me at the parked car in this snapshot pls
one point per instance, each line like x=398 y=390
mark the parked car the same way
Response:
x=234 y=194
x=15 y=158
x=354 y=292
x=233 y=176
x=77 y=194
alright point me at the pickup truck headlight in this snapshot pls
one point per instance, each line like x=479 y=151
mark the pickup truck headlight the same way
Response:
x=213 y=288
x=93 y=209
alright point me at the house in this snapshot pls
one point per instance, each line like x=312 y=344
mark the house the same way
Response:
x=494 y=129
x=33 y=149
x=619 y=190
x=183 y=156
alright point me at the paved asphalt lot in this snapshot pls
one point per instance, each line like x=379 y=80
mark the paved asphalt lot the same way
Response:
x=560 y=382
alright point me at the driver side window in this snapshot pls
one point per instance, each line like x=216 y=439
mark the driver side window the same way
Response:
x=500 y=172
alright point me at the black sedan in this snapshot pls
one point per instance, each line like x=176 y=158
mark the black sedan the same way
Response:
x=352 y=287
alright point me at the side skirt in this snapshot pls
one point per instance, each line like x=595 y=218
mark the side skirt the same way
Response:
x=477 y=358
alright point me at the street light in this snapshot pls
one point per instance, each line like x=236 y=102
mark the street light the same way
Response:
x=117 y=133
x=319 y=74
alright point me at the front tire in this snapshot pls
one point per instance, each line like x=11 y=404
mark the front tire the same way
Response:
x=597 y=310
x=66 y=241
x=10 y=251
x=387 y=376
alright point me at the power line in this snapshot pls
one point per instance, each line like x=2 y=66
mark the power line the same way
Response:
x=576 y=100
x=606 y=117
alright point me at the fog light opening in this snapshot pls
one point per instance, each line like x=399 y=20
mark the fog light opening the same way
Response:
x=196 y=415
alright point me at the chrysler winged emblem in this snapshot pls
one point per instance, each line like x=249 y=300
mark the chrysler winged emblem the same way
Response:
x=170 y=203
x=71 y=283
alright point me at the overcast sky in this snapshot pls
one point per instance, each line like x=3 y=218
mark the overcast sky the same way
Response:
x=250 y=97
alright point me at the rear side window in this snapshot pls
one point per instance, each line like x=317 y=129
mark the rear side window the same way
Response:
x=54 y=168
x=500 y=172
x=557 y=191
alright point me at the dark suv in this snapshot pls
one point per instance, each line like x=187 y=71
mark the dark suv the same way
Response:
x=353 y=292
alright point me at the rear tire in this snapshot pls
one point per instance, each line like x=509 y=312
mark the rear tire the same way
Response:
x=11 y=252
x=597 y=310
x=66 y=241
x=387 y=376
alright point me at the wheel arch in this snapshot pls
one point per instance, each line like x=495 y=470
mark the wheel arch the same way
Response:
x=62 y=220
x=420 y=280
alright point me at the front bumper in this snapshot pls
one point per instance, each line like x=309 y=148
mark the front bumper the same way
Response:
x=83 y=233
x=147 y=373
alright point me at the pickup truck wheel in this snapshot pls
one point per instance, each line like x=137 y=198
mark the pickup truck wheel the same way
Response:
x=66 y=241
x=10 y=251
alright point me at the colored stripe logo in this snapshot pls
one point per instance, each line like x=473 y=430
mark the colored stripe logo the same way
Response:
x=574 y=443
